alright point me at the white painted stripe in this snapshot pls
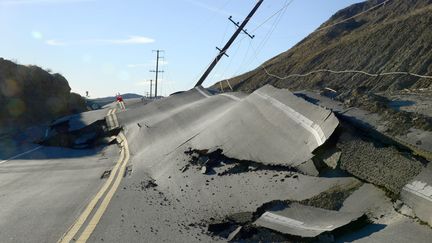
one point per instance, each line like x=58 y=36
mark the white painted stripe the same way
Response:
x=21 y=154
x=202 y=92
x=231 y=96
x=420 y=189
x=303 y=121
x=289 y=222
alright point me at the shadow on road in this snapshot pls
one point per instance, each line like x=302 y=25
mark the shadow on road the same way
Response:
x=362 y=233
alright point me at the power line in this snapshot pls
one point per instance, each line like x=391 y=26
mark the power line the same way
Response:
x=284 y=7
x=233 y=55
x=352 y=17
x=270 y=32
x=279 y=13
x=240 y=28
x=347 y=71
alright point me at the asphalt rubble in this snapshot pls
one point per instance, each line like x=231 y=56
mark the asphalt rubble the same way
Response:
x=348 y=152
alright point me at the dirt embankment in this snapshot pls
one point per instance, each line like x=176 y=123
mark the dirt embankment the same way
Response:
x=30 y=95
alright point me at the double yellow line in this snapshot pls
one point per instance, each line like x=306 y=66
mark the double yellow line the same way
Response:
x=111 y=119
x=102 y=196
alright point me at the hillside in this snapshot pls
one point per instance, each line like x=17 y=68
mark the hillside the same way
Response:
x=30 y=95
x=396 y=36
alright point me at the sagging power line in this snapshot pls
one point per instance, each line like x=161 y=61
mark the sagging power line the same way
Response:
x=352 y=17
x=346 y=71
x=223 y=51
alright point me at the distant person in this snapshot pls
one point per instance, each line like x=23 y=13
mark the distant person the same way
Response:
x=120 y=102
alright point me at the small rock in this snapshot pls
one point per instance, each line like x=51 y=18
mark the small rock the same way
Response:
x=398 y=205
x=333 y=160
x=252 y=168
x=407 y=211
x=203 y=170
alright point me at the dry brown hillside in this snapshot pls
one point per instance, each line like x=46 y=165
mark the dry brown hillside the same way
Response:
x=396 y=36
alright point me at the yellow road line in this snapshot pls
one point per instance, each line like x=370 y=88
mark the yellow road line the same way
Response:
x=111 y=119
x=114 y=116
x=68 y=236
x=100 y=211
x=84 y=215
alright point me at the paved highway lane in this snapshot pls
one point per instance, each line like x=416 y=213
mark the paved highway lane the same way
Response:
x=41 y=196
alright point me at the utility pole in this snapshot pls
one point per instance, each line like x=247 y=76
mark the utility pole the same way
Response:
x=240 y=28
x=157 y=71
x=151 y=88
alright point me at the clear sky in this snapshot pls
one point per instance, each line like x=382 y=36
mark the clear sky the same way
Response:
x=105 y=46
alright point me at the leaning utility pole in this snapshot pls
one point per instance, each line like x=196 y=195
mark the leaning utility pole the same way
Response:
x=157 y=70
x=228 y=44
x=151 y=88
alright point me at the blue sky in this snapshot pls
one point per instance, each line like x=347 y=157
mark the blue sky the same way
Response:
x=105 y=46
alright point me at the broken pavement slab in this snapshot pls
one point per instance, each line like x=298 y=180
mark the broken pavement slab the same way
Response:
x=365 y=199
x=305 y=221
x=83 y=130
x=81 y=120
x=418 y=195
x=270 y=126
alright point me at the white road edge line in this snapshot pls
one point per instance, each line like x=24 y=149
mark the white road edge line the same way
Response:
x=231 y=96
x=303 y=121
x=289 y=222
x=420 y=189
x=21 y=154
x=202 y=92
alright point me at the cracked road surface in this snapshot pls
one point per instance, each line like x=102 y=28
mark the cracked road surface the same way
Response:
x=197 y=161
